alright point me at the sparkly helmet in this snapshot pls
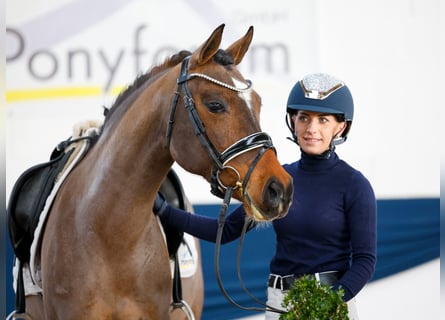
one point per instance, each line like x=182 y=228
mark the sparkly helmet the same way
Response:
x=321 y=92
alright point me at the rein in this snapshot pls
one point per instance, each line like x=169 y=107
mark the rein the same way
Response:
x=247 y=223
x=254 y=141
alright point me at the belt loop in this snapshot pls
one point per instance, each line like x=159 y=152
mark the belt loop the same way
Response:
x=275 y=281
x=281 y=283
x=317 y=276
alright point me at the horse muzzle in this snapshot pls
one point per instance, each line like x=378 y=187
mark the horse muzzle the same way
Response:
x=275 y=202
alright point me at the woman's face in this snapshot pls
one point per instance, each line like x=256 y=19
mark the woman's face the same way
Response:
x=315 y=130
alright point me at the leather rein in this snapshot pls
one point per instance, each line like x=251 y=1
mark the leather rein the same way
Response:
x=258 y=140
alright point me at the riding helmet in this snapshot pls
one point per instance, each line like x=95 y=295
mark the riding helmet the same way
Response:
x=322 y=92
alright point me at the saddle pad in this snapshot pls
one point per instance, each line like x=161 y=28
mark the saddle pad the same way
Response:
x=31 y=270
x=34 y=264
x=187 y=257
x=31 y=288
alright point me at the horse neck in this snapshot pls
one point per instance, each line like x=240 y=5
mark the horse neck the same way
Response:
x=134 y=149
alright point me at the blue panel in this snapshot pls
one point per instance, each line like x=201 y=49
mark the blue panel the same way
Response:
x=408 y=234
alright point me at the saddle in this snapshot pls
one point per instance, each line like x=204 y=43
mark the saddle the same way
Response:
x=28 y=198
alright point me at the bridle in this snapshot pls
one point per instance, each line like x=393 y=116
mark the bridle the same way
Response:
x=257 y=140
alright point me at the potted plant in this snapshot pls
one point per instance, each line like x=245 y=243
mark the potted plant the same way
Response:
x=307 y=299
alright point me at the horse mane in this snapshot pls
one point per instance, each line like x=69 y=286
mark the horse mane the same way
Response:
x=142 y=79
x=223 y=58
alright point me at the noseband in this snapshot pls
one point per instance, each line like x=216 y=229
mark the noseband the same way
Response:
x=220 y=159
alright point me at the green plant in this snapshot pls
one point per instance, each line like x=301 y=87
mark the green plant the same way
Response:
x=307 y=299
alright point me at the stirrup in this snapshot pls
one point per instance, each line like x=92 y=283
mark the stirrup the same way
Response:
x=184 y=306
x=18 y=316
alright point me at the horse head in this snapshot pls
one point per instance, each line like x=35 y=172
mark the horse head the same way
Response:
x=215 y=132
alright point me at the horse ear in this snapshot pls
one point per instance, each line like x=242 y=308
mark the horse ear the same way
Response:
x=209 y=48
x=239 y=48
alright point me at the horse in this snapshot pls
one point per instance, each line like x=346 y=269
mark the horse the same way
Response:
x=103 y=255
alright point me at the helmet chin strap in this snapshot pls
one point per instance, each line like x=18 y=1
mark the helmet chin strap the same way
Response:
x=339 y=139
x=325 y=155
x=334 y=142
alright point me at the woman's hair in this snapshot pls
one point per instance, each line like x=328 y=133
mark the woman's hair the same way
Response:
x=338 y=116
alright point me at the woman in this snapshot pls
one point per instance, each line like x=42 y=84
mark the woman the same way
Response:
x=330 y=230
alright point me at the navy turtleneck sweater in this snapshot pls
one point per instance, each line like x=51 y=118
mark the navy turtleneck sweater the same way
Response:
x=331 y=224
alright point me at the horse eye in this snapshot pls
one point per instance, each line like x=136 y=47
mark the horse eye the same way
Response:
x=215 y=106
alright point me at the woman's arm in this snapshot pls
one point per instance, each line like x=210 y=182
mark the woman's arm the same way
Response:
x=199 y=226
x=362 y=222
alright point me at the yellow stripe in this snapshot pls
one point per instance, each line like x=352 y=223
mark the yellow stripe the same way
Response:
x=54 y=93
x=116 y=90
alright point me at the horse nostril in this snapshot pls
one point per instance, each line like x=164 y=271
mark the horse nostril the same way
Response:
x=273 y=195
x=277 y=199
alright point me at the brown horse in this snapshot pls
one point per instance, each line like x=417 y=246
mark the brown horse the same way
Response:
x=103 y=254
